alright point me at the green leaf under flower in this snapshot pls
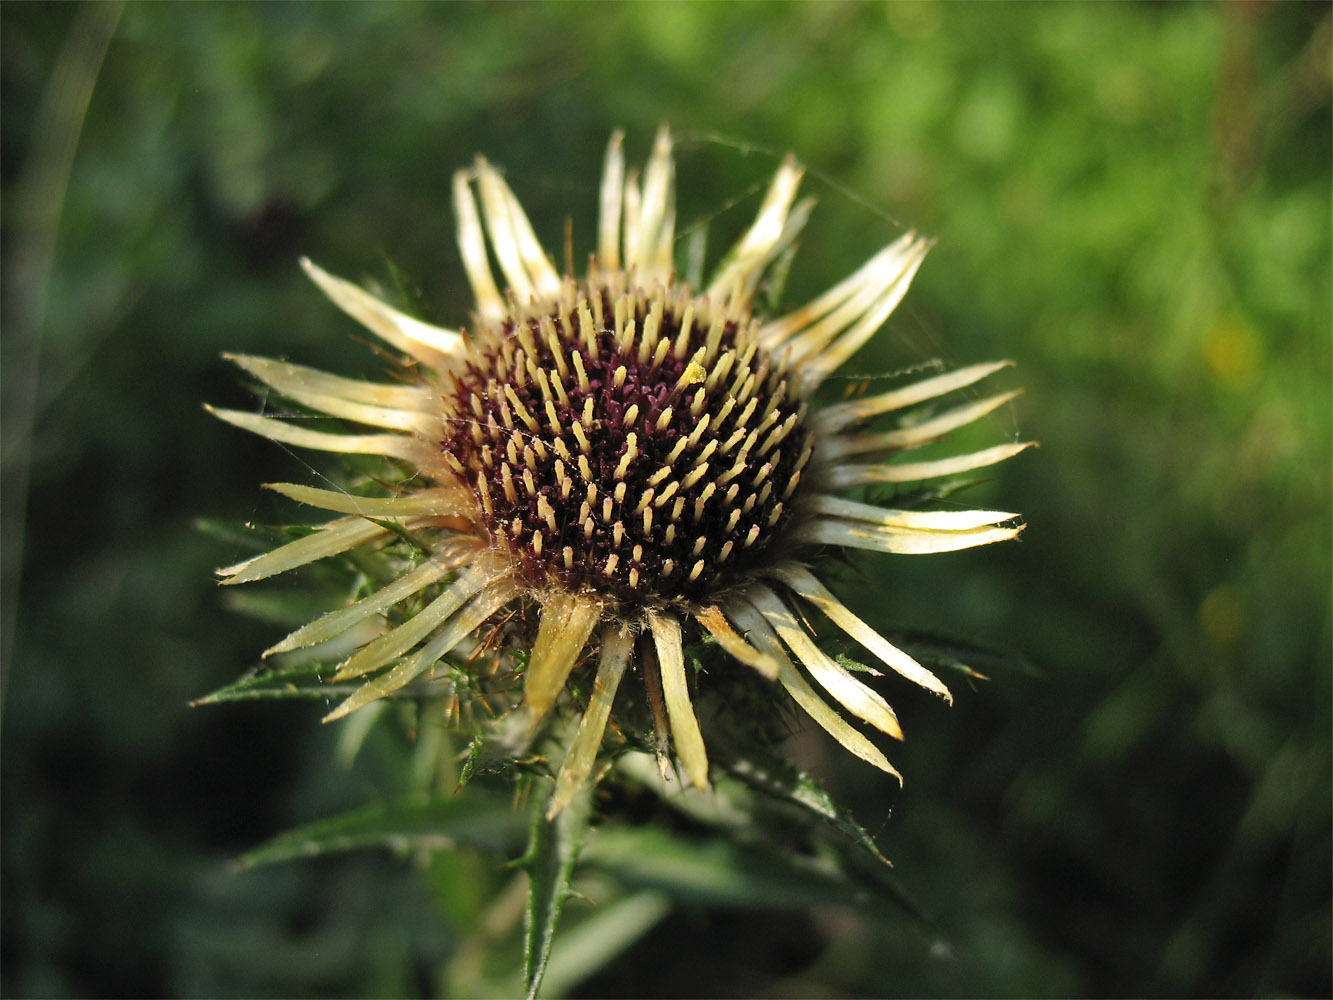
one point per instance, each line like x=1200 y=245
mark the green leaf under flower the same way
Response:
x=484 y=821
x=553 y=850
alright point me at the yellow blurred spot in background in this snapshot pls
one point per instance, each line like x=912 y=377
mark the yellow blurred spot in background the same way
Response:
x=1223 y=619
x=1233 y=353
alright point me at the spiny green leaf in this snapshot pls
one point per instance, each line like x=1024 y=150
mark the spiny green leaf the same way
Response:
x=482 y=821
x=502 y=743
x=297 y=681
x=787 y=784
x=471 y=758
x=752 y=807
x=937 y=652
x=553 y=849
x=848 y=663
x=404 y=535
x=284 y=683
x=714 y=872
x=591 y=944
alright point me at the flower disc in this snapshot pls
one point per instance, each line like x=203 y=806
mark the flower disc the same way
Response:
x=637 y=443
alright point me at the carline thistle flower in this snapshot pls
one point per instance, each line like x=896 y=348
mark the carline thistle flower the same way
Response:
x=631 y=460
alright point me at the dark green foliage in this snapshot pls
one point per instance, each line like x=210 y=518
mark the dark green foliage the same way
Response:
x=1131 y=201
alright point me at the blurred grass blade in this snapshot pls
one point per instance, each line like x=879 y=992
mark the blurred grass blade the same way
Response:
x=483 y=822
x=353 y=732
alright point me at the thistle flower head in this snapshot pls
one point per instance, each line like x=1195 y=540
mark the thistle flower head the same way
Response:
x=634 y=460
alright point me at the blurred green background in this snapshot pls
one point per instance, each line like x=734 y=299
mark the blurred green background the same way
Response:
x=1132 y=201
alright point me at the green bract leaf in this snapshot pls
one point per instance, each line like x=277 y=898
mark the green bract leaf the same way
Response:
x=939 y=652
x=299 y=681
x=247 y=536
x=485 y=822
x=500 y=744
x=713 y=872
x=854 y=665
x=753 y=809
x=471 y=758
x=796 y=787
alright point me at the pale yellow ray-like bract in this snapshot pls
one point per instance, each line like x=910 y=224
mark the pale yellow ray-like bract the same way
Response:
x=286 y=377
x=655 y=232
x=485 y=604
x=335 y=623
x=763 y=239
x=328 y=540
x=763 y=636
x=472 y=247
x=432 y=344
x=843 y=477
x=924 y=520
x=685 y=734
x=495 y=215
x=831 y=358
x=389 y=445
x=715 y=622
x=617 y=644
x=612 y=195
x=916 y=435
x=398 y=641
x=566 y=622
x=442 y=501
x=865 y=279
x=804 y=584
x=867 y=705
x=839 y=415
x=521 y=257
